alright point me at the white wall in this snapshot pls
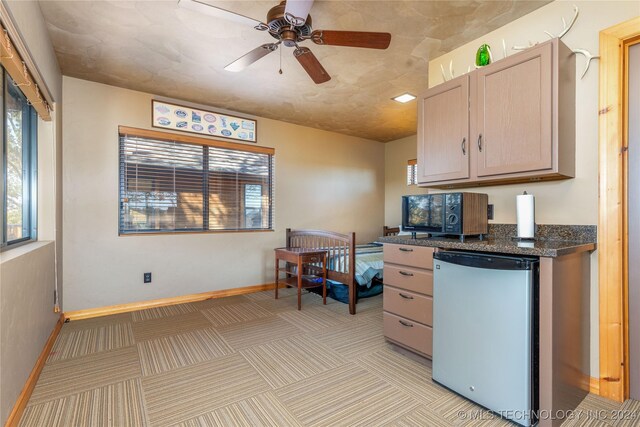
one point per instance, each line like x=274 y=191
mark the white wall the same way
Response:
x=572 y=201
x=27 y=273
x=323 y=180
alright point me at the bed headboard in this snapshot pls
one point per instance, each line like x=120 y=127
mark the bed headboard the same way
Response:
x=340 y=249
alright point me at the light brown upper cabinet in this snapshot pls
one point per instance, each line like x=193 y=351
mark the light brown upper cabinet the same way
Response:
x=443 y=128
x=518 y=121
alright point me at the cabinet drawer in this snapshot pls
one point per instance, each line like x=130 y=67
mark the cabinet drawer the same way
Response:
x=408 y=332
x=408 y=304
x=410 y=279
x=413 y=256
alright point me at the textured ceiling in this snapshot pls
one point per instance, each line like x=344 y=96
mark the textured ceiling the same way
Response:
x=157 y=47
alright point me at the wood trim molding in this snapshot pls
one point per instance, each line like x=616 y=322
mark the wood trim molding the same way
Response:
x=594 y=386
x=30 y=384
x=162 y=302
x=188 y=139
x=612 y=242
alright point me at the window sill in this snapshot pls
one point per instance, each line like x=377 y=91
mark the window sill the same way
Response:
x=13 y=252
x=178 y=233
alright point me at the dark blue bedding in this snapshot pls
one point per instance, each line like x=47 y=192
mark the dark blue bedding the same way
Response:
x=368 y=275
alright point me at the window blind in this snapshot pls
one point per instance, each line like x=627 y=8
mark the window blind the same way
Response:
x=412 y=172
x=173 y=186
x=14 y=64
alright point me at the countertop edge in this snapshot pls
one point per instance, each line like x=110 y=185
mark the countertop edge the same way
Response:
x=498 y=246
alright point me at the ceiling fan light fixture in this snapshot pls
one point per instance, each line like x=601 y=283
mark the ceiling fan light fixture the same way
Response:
x=289 y=23
x=297 y=11
x=404 y=98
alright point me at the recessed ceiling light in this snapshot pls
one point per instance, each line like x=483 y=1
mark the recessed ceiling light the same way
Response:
x=404 y=98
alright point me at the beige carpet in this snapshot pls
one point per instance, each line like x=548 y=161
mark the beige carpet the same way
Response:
x=249 y=361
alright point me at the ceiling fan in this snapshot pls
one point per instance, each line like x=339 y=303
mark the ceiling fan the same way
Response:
x=290 y=24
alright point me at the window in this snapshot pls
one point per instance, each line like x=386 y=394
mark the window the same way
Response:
x=193 y=184
x=18 y=160
x=252 y=205
x=412 y=172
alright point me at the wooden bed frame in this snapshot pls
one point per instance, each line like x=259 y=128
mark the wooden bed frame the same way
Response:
x=390 y=231
x=335 y=244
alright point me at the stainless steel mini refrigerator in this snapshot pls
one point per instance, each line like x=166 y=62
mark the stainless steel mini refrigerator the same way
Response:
x=485 y=331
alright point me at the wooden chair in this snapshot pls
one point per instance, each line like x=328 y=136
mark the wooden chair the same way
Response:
x=390 y=231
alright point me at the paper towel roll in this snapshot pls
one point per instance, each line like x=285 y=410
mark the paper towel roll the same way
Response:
x=526 y=215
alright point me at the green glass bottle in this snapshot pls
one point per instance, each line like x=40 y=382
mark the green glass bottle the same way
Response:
x=483 y=56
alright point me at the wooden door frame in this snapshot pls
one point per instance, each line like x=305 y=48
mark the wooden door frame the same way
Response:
x=612 y=215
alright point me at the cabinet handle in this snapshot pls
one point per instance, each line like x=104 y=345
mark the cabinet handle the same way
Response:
x=480 y=142
x=464 y=146
x=403 y=323
x=404 y=273
x=406 y=250
x=405 y=296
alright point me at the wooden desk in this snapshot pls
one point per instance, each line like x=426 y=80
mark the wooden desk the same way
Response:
x=302 y=258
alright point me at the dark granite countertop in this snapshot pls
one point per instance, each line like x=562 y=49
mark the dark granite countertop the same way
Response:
x=572 y=239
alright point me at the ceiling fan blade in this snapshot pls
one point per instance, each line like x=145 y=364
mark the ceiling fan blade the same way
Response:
x=297 y=11
x=311 y=65
x=249 y=58
x=352 y=39
x=206 y=8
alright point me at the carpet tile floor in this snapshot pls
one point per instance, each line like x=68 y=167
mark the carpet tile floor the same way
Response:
x=252 y=360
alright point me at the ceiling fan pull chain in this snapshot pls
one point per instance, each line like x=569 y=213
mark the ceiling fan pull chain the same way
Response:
x=280 y=70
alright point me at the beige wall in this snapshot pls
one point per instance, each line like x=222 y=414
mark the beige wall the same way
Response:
x=323 y=180
x=572 y=201
x=396 y=155
x=27 y=273
x=26 y=16
x=26 y=302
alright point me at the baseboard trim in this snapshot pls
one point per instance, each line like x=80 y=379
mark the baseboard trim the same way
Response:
x=25 y=394
x=162 y=302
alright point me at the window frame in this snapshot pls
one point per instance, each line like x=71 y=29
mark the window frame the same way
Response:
x=244 y=199
x=412 y=172
x=30 y=168
x=205 y=142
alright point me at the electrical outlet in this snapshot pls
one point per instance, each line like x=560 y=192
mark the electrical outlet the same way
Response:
x=147 y=277
x=489 y=211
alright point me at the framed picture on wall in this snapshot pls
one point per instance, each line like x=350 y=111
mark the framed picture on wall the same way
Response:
x=193 y=120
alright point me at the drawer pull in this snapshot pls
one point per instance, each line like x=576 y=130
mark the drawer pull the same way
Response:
x=403 y=323
x=404 y=273
x=405 y=296
x=406 y=250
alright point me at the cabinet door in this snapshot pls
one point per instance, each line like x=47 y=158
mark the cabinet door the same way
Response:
x=443 y=132
x=514 y=114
